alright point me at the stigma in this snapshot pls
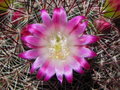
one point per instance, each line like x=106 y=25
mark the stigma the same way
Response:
x=58 y=48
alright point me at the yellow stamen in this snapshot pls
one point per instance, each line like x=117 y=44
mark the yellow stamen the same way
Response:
x=58 y=47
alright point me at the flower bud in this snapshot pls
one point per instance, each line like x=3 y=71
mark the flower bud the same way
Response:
x=17 y=16
x=102 y=25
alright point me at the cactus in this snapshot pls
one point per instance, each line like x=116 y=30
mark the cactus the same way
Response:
x=15 y=72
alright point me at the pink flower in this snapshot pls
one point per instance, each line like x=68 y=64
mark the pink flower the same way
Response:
x=58 y=45
x=102 y=24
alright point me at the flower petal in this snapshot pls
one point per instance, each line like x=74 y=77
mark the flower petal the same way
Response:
x=37 y=63
x=59 y=16
x=42 y=70
x=30 y=46
x=76 y=66
x=74 y=22
x=82 y=62
x=45 y=17
x=59 y=69
x=86 y=39
x=37 y=29
x=49 y=72
x=79 y=29
x=30 y=54
x=85 y=52
x=25 y=31
x=68 y=73
x=33 y=40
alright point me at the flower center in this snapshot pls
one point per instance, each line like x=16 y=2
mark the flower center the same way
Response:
x=58 y=47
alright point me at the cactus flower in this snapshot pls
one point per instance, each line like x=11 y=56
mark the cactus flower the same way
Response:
x=58 y=45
